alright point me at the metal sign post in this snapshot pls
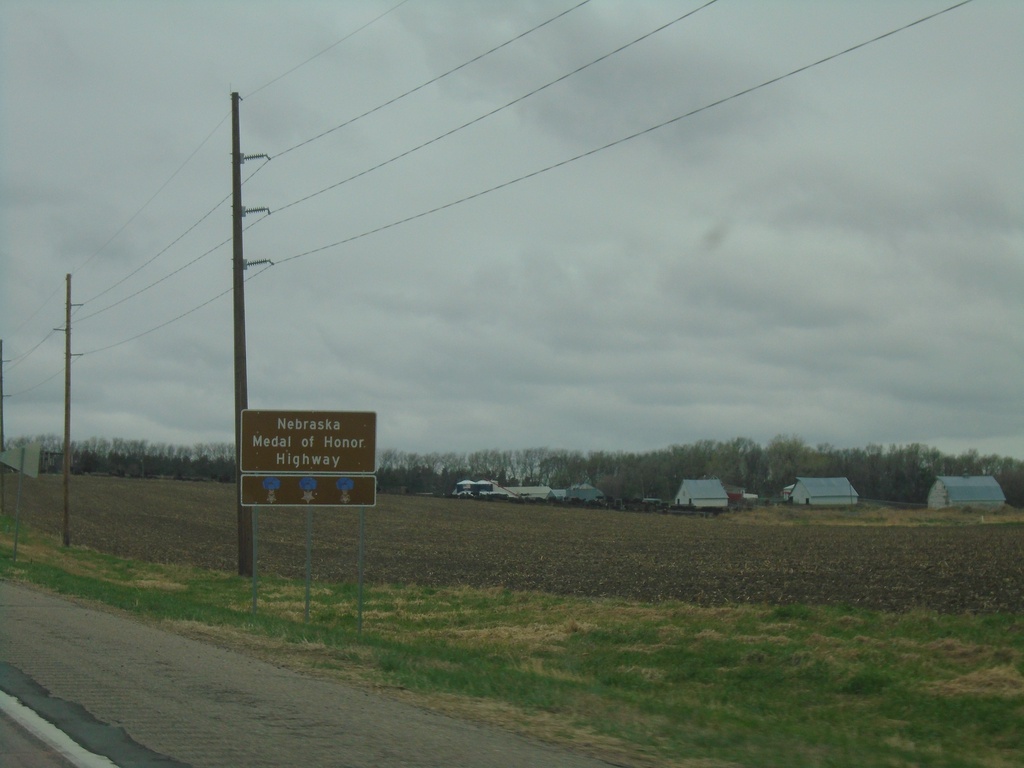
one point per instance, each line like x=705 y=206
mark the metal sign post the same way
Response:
x=309 y=555
x=362 y=537
x=255 y=520
x=17 y=506
x=26 y=460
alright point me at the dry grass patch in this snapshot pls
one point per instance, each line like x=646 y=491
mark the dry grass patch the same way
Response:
x=709 y=634
x=955 y=650
x=534 y=666
x=162 y=584
x=762 y=639
x=1003 y=682
x=529 y=638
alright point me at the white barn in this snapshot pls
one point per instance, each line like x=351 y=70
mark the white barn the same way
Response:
x=824 y=491
x=981 y=491
x=480 y=488
x=702 y=494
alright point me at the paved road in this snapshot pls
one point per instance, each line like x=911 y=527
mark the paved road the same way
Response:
x=149 y=698
x=20 y=749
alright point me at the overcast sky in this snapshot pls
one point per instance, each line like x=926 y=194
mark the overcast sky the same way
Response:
x=838 y=255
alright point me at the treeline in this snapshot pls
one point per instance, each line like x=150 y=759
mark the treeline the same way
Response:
x=139 y=458
x=896 y=473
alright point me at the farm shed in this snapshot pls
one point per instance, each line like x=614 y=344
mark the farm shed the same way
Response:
x=483 y=488
x=966 y=491
x=702 y=494
x=531 y=492
x=583 y=492
x=823 y=491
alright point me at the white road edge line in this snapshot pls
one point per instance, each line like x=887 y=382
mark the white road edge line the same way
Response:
x=51 y=734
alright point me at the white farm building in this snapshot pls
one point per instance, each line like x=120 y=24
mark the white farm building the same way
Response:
x=481 y=489
x=824 y=491
x=981 y=491
x=702 y=494
x=531 y=492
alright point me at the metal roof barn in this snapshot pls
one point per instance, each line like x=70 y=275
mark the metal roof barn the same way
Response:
x=966 y=491
x=702 y=494
x=824 y=491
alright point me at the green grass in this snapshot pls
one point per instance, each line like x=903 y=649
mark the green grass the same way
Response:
x=652 y=684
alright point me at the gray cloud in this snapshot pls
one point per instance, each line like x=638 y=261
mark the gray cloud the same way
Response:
x=837 y=255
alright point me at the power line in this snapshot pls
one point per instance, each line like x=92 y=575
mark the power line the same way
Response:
x=538 y=172
x=349 y=122
x=495 y=111
x=328 y=48
x=22 y=357
x=153 y=258
x=624 y=139
x=165 y=184
x=174 y=272
x=421 y=86
x=50 y=378
x=189 y=159
x=172 y=320
x=146 y=204
x=111 y=239
x=461 y=66
x=155 y=282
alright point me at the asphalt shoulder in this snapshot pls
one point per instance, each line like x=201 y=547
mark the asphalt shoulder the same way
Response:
x=177 y=701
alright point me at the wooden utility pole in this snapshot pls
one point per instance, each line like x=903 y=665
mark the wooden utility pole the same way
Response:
x=3 y=470
x=67 y=418
x=238 y=211
x=241 y=381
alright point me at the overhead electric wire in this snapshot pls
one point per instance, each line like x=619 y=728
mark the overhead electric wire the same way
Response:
x=495 y=111
x=146 y=204
x=25 y=355
x=156 y=256
x=173 y=272
x=624 y=139
x=325 y=50
x=48 y=379
x=155 y=283
x=423 y=85
x=560 y=164
x=112 y=238
x=18 y=359
x=168 y=181
x=391 y=101
x=172 y=320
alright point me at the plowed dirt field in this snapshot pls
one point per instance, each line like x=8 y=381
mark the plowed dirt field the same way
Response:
x=953 y=562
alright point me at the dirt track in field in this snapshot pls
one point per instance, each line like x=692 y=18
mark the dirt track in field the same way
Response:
x=945 y=567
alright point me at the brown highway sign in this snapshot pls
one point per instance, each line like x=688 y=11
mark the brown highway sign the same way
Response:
x=309 y=490
x=308 y=442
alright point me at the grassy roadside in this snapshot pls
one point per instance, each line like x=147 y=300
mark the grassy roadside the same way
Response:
x=665 y=684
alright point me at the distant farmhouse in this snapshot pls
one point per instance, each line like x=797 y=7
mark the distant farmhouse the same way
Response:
x=823 y=491
x=702 y=494
x=980 y=491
